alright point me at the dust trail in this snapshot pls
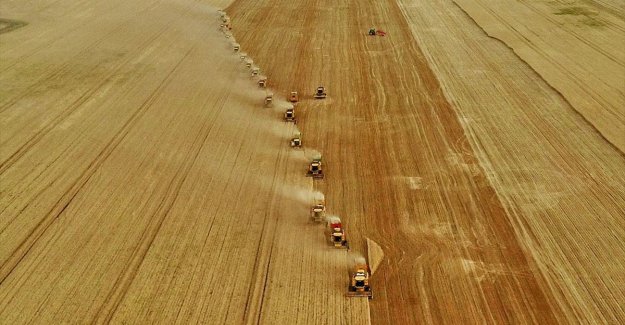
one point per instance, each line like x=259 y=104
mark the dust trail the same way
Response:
x=356 y=258
x=312 y=154
x=301 y=195
x=281 y=104
x=330 y=218
x=278 y=129
x=319 y=197
x=248 y=97
x=296 y=132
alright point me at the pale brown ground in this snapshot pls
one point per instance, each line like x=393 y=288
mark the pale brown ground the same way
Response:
x=141 y=181
x=561 y=184
x=493 y=199
x=577 y=46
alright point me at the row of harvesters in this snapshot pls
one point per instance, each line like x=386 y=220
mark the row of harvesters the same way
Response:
x=359 y=275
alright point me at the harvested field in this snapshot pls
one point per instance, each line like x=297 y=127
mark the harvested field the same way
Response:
x=143 y=181
x=7 y=25
x=576 y=46
x=493 y=199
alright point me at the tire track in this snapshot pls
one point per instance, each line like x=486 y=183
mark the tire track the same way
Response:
x=411 y=108
x=575 y=35
x=612 y=9
x=262 y=263
x=538 y=148
x=64 y=69
x=536 y=49
x=529 y=43
x=608 y=96
x=68 y=34
x=7 y=266
x=65 y=113
x=114 y=298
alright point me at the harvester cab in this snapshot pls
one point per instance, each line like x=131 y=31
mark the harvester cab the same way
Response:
x=372 y=31
x=321 y=93
x=289 y=115
x=314 y=170
x=262 y=82
x=294 y=98
x=236 y=47
x=255 y=71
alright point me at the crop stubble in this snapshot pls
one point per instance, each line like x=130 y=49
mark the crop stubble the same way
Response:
x=504 y=206
x=487 y=208
x=142 y=181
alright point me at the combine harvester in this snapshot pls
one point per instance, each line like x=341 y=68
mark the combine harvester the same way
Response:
x=269 y=100
x=318 y=211
x=359 y=280
x=296 y=141
x=374 y=32
x=225 y=20
x=294 y=98
x=314 y=169
x=289 y=115
x=337 y=233
x=321 y=93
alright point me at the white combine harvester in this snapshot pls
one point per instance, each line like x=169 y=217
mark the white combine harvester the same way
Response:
x=318 y=211
x=268 y=100
x=289 y=115
x=296 y=141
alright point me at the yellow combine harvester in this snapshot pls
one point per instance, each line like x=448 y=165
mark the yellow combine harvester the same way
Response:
x=321 y=93
x=359 y=281
x=314 y=169
x=289 y=115
x=318 y=212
